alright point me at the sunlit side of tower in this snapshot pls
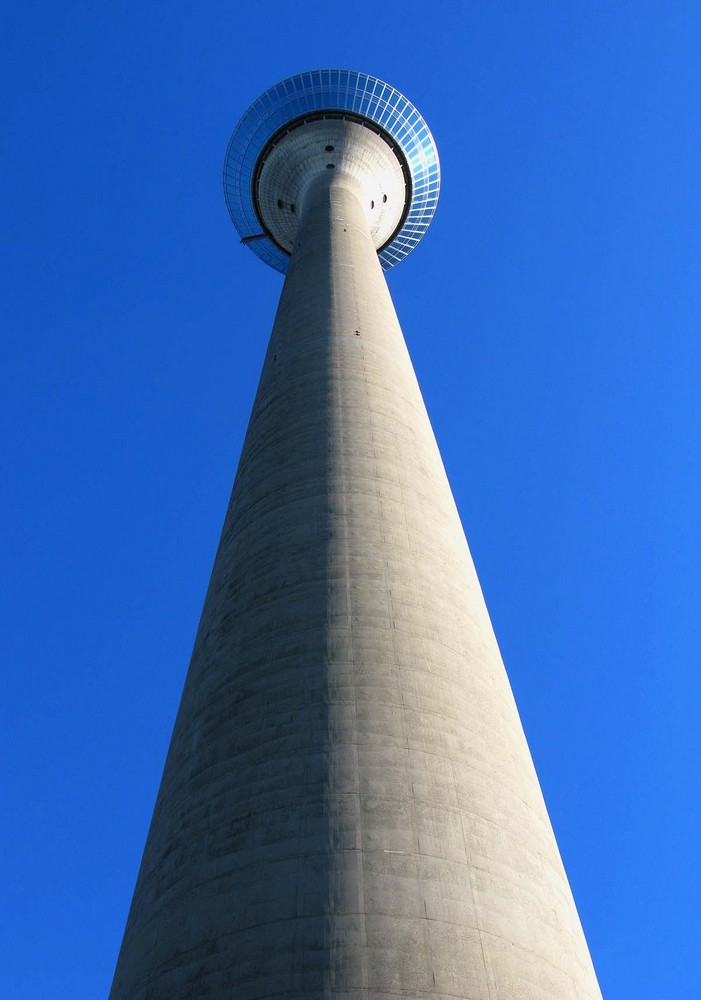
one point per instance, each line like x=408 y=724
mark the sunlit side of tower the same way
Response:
x=348 y=808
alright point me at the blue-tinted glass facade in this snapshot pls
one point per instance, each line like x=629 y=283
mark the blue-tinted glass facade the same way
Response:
x=332 y=90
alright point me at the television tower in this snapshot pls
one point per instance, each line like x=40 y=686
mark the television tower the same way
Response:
x=349 y=808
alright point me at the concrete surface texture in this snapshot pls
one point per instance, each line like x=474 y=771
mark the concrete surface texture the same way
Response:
x=348 y=808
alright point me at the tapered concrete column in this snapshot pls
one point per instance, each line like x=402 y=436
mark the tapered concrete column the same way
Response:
x=348 y=808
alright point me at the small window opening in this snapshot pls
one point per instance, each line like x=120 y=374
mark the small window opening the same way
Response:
x=372 y=204
x=292 y=208
x=330 y=166
x=329 y=149
x=279 y=203
x=384 y=198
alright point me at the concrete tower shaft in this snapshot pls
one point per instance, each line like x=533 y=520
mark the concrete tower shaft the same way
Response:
x=348 y=808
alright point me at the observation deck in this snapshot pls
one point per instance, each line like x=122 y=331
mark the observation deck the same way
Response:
x=326 y=120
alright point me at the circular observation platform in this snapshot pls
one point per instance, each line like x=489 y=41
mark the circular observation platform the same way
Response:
x=324 y=120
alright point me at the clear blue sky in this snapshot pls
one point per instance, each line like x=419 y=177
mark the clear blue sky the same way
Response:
x=553 y=313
